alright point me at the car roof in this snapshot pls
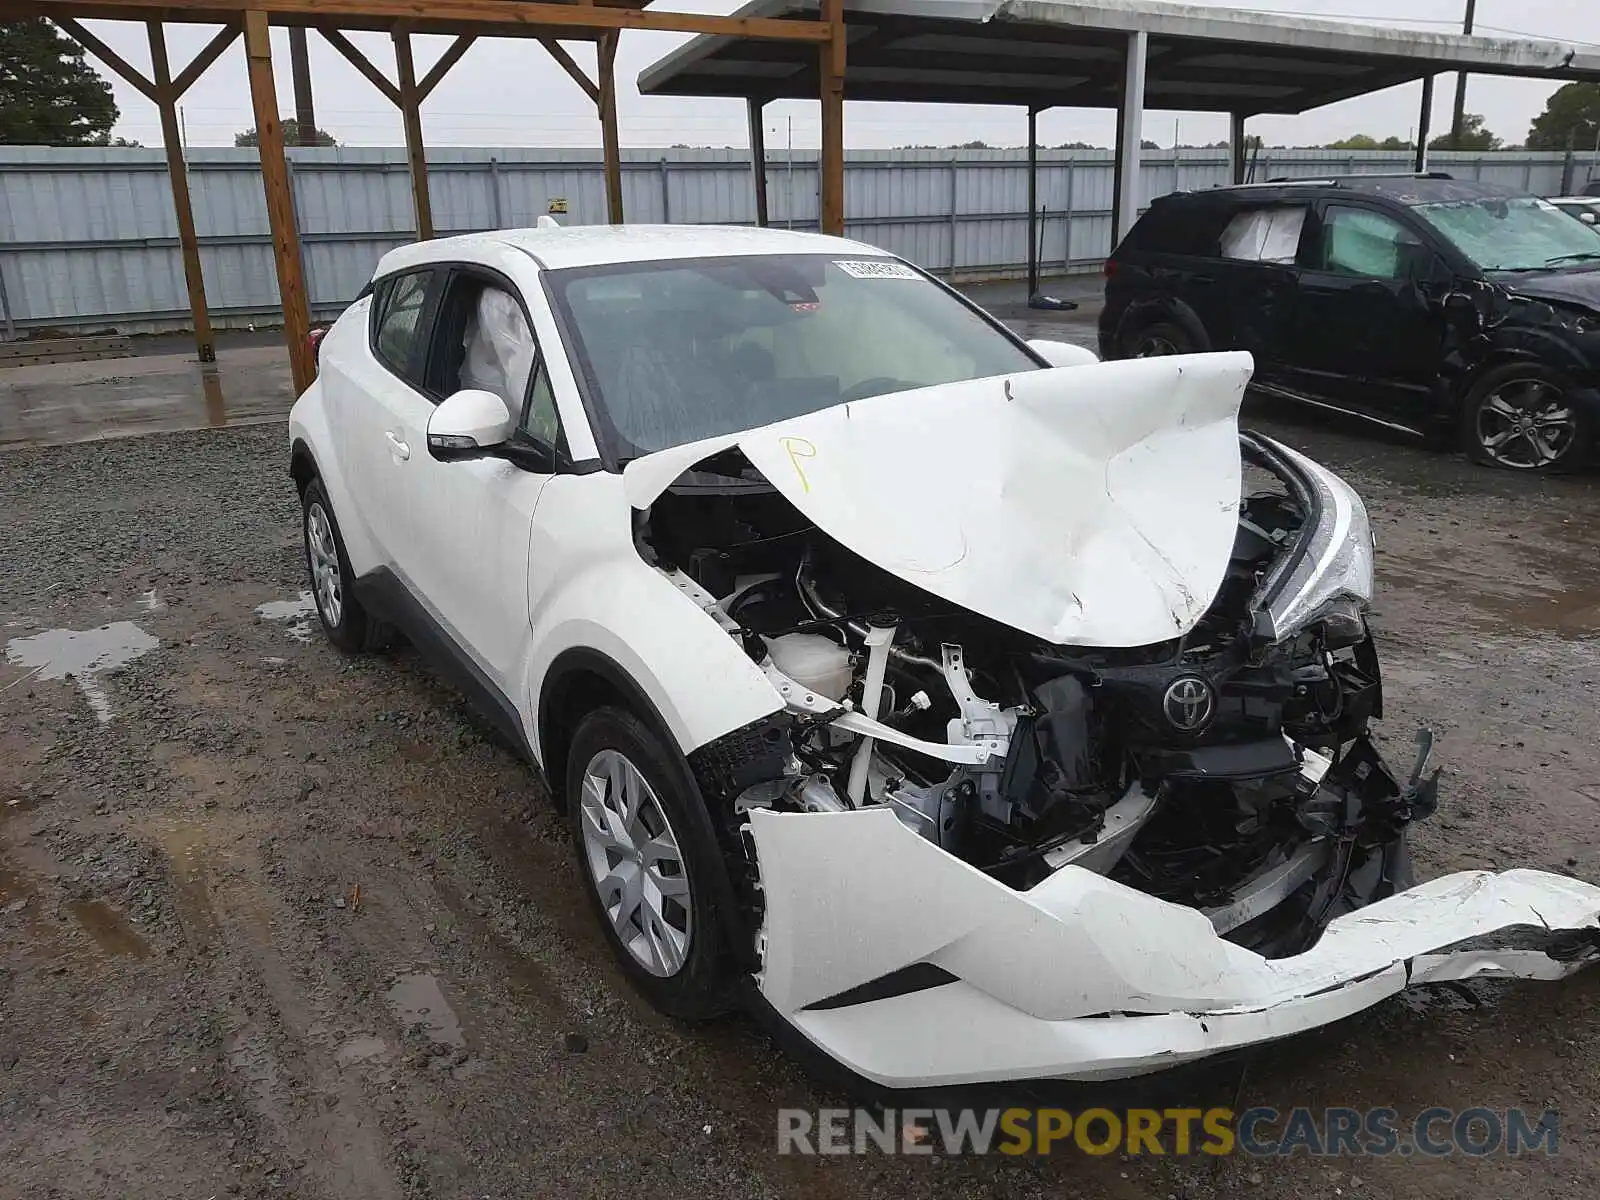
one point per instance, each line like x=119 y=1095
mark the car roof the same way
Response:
x=557 y=248
x=1405 y=189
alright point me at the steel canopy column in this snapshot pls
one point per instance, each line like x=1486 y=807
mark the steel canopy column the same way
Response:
x=1424 y=116
x=182 y=207
x=1033 y=201
x=831 y=72
x=280 y=205
x=758 y=157
x=1130 y=128
x=1237 y=146
x=610 y=140
x=411 y=118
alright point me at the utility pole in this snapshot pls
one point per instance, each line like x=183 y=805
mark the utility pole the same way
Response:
x=1461 y=84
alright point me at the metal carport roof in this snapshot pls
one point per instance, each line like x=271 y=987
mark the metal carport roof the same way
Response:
x=1049 y=53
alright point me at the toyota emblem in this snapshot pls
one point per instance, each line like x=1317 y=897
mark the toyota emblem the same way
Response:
x=1189 y=703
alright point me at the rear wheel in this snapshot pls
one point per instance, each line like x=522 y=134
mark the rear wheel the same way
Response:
x=648 y=858
x=347 y=624
x=1521 y=416
x=1156 y=340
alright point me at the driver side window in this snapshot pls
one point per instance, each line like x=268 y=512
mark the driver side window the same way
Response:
x=1357 y=241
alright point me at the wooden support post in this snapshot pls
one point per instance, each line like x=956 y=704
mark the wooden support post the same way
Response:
x=1033 y=202
x=559 y=53
x=411 y=118
x=280 y=205
x=758 y=157
x=305 y=111
x=609 y=138
x=831 y=184
x=188 y=242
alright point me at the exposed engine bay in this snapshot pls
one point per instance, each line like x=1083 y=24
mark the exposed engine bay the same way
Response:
x=1227 y=769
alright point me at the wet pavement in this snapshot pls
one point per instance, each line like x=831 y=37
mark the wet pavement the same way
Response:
x=57 y=403
x=278 y=922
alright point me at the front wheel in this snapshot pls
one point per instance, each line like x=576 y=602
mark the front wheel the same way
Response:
x=649 y=860
x=1522 y=416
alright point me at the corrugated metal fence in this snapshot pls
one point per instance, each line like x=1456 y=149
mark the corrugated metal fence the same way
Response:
x=88 y=238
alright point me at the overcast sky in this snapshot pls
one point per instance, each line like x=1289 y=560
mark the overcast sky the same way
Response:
x=511 y=93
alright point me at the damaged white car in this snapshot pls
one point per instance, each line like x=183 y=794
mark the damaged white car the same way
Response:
x=986 y=711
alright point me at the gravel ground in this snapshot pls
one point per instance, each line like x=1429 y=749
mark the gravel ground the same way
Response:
x=294 y=924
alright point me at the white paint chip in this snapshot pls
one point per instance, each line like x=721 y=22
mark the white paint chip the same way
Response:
x=297 y=613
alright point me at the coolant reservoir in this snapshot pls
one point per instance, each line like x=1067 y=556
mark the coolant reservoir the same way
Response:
x=818 y=663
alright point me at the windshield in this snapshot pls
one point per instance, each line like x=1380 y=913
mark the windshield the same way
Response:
x=674 y=352
x=1516 y=233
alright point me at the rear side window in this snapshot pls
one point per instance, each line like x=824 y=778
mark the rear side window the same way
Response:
x=1181 y=226
x=1268 y=235
x=397 y=333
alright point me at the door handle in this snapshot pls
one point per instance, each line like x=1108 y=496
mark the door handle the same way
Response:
x=396 y=447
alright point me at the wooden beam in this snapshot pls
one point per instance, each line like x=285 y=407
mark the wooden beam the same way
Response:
x=107 y=55
x=609 y=140
x=411 y=118
x=280 y=204
x=363 y=64
x=185 y=79
x=446 y=60
x=570 y=65
x=831 y=62
x=469 y=16
x=183 y=209
x=305 y=109
x=758 y=156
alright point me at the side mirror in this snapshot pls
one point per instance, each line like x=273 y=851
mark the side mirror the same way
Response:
x=1588 y=218
x=1062 y=354
x=1462 y=311
x=469 y=424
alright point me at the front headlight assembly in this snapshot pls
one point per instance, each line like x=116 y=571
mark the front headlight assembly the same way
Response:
x=1327 y=576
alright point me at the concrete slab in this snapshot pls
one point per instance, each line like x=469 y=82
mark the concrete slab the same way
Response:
x=57 y=403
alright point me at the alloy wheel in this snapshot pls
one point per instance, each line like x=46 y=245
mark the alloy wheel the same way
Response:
x=636 y=864
x=324 y=556
x=1154 y=345
x=1526 y=424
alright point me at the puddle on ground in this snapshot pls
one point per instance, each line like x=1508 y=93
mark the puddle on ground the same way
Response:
x=109 y=928
x=297 y=613
x=82 y=655
x=1574 y=614
x=362 y=1048
x=417 y=999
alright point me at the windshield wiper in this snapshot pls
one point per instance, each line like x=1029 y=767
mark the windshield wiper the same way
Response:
x=1576 y=256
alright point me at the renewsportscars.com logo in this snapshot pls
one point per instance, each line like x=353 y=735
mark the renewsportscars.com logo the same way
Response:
x=1258 y=1132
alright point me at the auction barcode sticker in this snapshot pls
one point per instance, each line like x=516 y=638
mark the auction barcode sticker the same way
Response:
x=875 y=270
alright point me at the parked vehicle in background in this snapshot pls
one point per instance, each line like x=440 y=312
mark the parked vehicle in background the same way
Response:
x=1585 y=208
x=1458 y=310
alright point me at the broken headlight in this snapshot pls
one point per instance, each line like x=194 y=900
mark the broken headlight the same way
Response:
x=1334 y=573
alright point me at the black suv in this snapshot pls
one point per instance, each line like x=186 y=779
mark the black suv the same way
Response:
x=1453 y=309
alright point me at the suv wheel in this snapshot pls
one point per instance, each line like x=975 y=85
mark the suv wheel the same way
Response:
x=648 y=857
x=1520 y=416
x=1157 y=340
x=344 y=620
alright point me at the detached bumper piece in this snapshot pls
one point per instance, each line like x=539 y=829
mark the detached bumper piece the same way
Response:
x=877 y=944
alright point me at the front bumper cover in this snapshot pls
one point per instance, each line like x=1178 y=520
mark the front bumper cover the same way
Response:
x=1084 y=978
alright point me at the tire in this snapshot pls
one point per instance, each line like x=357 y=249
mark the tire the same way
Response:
x=1157 y=339
x=670 y=944
x=348 y=625
x=1517 y=416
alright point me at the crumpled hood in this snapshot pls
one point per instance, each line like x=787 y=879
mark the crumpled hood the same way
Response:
x=1091 y=505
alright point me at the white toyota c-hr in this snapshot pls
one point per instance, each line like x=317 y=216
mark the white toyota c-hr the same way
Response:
x=949 y=694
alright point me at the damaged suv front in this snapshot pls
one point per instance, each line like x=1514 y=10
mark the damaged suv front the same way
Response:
x=993 y=801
